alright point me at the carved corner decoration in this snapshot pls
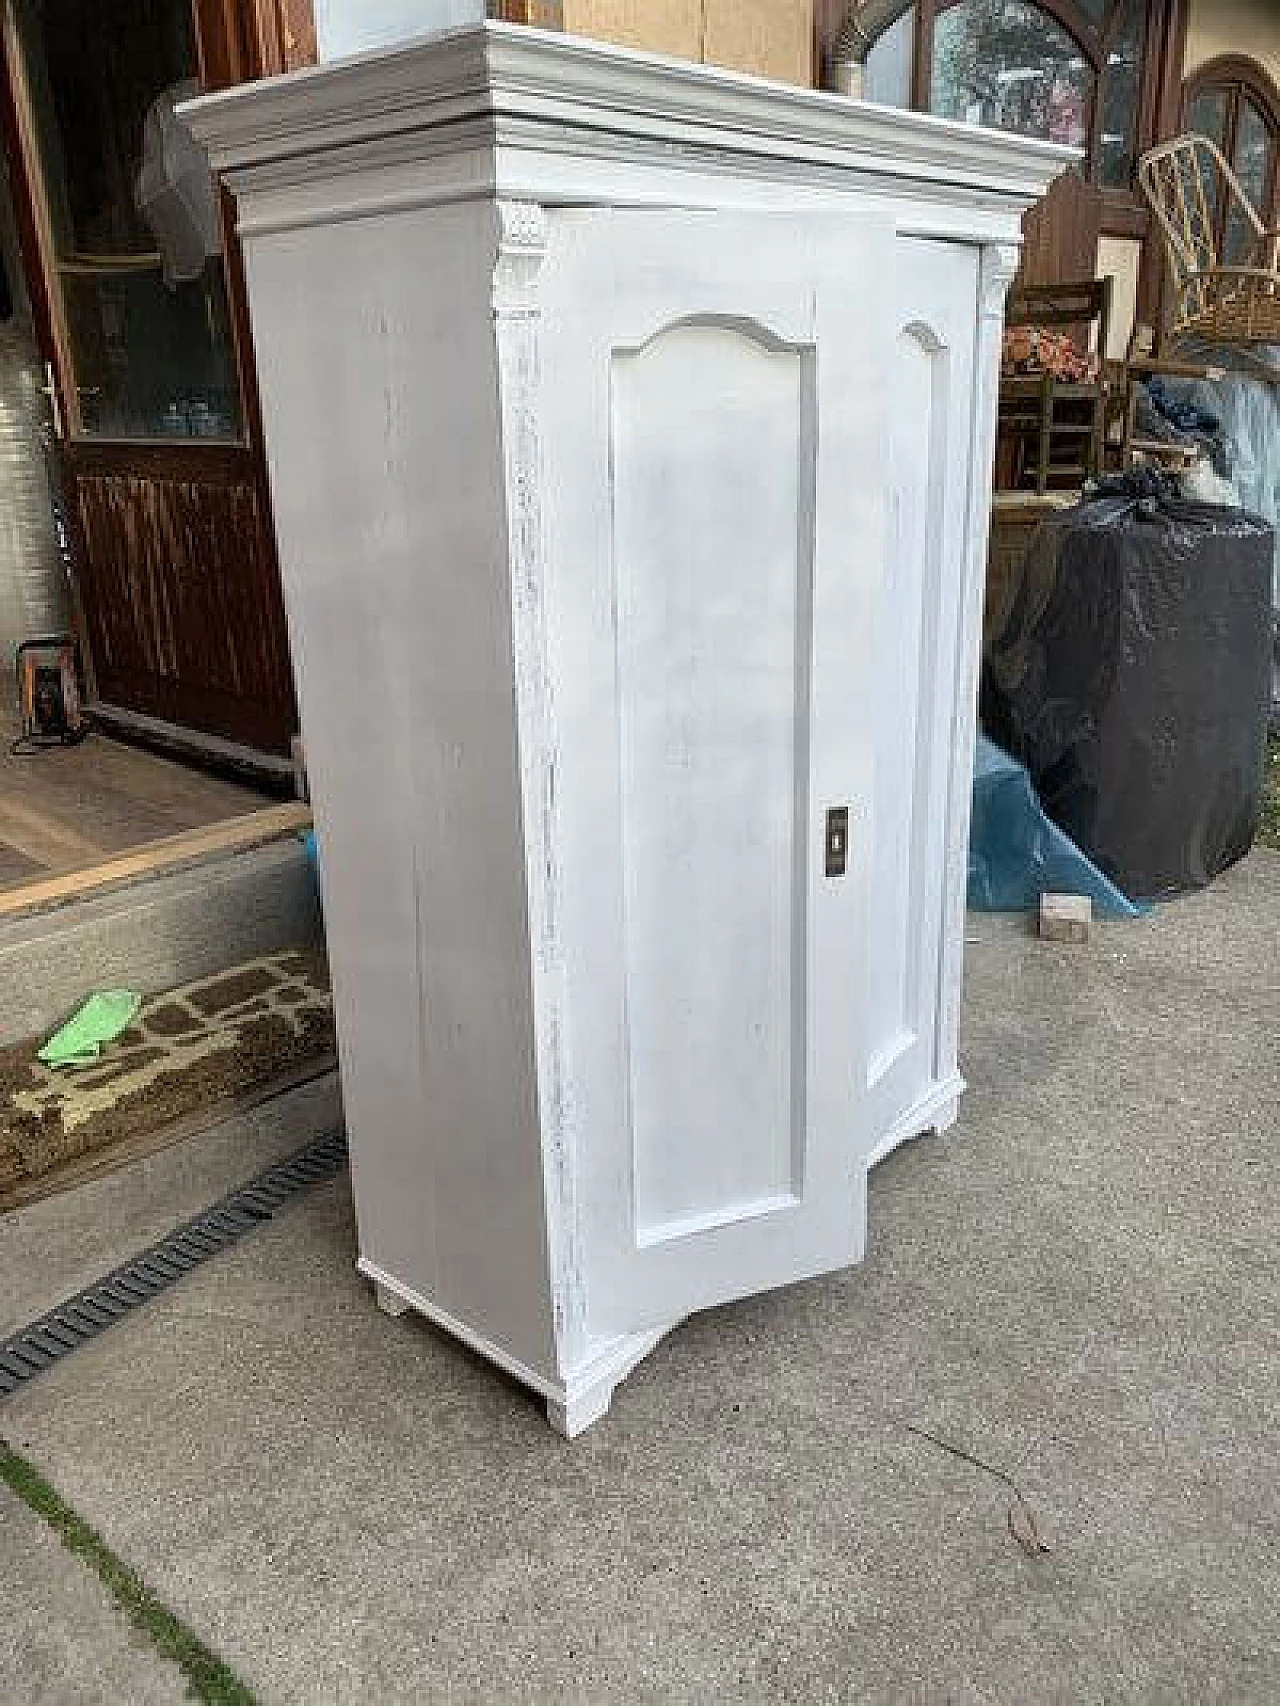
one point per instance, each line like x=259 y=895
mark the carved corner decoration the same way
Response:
x=999 y=269
x=522 y=248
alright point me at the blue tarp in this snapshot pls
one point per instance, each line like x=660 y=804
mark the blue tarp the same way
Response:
x=1016 y=853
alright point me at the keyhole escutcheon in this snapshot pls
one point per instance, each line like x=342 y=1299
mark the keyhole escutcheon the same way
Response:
x=837 y=841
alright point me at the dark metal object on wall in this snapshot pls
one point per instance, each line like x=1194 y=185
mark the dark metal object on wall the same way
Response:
x=48 y=694
x=861 y=25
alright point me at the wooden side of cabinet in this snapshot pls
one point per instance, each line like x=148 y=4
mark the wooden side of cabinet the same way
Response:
x=243 y=40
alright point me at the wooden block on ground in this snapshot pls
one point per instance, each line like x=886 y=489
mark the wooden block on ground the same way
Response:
x=1065 y=917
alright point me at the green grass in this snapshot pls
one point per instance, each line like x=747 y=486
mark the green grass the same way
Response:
x=1269 y=834
x=208 y=1678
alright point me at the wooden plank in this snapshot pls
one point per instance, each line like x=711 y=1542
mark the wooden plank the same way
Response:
x=770 y=38
x=246 y=766
x=285 y=32
x=239 y=41
x=543 y=14
x=170 y=853
x=120 y=775
x=70 y=807
x=15 y=867
x=1065 y=917
x=1176 y=369
x=39 y=836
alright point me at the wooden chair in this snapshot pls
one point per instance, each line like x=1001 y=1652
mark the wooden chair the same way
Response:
x=1051 y=431
x=1060 y=233
x=1186 y=182
x=1130 y=446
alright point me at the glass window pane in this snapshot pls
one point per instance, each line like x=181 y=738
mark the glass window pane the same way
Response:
x=1207 y=115
x=1251 y=163
x=1007 y=64
x=888 y=68
x=1095 y=11
x=133 y=218
x=1121 y=84
x=1252 y=152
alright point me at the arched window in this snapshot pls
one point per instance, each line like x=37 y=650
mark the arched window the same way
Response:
x=1234 y=103
x=1069 y=70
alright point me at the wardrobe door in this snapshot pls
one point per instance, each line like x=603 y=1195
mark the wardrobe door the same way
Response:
x=917 y=660
x=714 y=425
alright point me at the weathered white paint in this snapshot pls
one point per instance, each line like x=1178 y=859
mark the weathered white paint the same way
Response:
x=917 y=660
x=713 y=589
x=629 y=426
x=717 y=579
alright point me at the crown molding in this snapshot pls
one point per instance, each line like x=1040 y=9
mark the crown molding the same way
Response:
x=512 y=97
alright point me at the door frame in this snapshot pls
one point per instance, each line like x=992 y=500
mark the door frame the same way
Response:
x=235 y=41
x=40 y=302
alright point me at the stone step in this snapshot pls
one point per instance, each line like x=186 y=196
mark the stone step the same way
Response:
x=154 y=933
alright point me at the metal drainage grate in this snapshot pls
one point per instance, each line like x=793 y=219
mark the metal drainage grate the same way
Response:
x=33 y=1349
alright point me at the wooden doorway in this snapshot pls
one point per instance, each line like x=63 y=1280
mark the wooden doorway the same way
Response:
x=135 y=283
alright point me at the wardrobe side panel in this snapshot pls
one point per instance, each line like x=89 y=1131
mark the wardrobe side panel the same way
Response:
x=383 y=430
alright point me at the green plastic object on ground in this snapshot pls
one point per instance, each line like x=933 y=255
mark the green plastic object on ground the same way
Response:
x=100 y=1021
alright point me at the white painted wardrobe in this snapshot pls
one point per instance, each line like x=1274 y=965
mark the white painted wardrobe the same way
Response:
x=630 y=427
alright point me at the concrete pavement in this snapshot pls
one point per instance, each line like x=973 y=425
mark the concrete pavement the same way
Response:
x=62 y=1637
x=1079 y=1286
x=55 y=1248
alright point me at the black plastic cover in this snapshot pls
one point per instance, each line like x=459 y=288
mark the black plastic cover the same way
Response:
x=1132 y=679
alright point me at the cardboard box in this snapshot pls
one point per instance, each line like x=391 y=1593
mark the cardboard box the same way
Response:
x=772 y=38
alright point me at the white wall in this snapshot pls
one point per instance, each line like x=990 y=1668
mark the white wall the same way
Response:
x=1120 y=259
x=349 y=26
x=887 y=77
x=1250 y=27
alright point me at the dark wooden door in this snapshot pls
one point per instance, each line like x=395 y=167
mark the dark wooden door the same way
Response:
x=139 y=302
x=180 y=590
